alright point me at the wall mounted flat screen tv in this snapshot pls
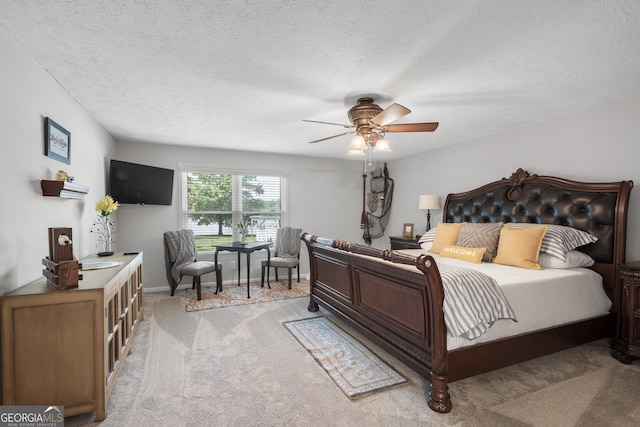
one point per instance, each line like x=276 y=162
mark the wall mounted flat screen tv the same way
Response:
x=132 y=183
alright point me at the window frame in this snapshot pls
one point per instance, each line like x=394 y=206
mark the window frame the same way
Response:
x=184 y=168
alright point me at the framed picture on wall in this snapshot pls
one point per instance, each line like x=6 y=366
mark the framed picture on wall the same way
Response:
x=57 y=141
x=407 y=231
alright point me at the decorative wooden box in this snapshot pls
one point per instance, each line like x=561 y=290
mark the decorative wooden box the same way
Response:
x=61 y=269
x=63 y=274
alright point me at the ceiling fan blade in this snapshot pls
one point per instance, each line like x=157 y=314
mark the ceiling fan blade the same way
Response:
x=331 y=137
x=411 y=127
x=390 y=114
x=329 y=123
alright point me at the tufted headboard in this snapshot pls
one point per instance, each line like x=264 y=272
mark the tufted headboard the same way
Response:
x=598 y=208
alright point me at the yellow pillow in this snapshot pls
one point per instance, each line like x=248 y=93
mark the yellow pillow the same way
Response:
x=463 y=253
x=446 y=235
x=520 y=247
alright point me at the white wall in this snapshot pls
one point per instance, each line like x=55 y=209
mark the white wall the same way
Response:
x=29 y=94
x=598 y=145
x=324 y=194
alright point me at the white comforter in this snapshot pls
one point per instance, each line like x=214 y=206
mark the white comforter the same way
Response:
x=539 y=298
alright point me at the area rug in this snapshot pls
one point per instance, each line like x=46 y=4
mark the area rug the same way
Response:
x=354 y=368
x=233 y=295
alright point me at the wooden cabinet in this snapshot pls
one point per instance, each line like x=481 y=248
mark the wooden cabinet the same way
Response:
x=66 y=347
x=626 y=343
x=399 y=242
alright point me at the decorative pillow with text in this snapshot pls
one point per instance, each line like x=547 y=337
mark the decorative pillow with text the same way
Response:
x=464 y=253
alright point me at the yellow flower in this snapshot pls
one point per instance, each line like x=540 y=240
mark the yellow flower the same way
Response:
x=106 y=206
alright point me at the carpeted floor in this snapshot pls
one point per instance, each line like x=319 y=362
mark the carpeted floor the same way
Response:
x=240 y=367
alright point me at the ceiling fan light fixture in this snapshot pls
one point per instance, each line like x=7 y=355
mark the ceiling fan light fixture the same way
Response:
x=370 y=123
x=357 y=143
x=382 y=146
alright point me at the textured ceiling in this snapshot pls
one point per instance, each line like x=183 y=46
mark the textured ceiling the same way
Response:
x=244 y=74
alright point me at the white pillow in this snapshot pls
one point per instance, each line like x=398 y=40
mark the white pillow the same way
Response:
x=573 y=259
x=429 y=236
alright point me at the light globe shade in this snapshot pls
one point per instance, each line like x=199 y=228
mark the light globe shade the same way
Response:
x=357 y=143
x=382 y=146
x=428 y=201
x=355 y=152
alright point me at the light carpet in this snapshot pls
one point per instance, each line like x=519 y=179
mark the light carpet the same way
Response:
x=355 y=369
x=233 y=295
x=240 y=367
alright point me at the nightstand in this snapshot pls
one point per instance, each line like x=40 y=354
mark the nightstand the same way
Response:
x=626 y=343
x=399 y=242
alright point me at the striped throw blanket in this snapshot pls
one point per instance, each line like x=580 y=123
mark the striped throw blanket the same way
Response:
x=472 y=301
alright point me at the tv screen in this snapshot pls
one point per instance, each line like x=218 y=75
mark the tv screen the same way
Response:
x=132 y=183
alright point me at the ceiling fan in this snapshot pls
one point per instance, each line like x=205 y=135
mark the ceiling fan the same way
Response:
x=370 y=123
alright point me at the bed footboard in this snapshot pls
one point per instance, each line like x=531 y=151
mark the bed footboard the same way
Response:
x=397 y=307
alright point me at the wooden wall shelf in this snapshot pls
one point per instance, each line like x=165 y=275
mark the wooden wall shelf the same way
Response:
x=64 y=189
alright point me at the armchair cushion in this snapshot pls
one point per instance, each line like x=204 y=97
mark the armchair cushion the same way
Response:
x=199 y=268
x=281 y=262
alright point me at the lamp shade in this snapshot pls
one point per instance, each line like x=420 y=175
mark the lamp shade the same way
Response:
x=382 y=146
x=429 y=202
x=357 y=143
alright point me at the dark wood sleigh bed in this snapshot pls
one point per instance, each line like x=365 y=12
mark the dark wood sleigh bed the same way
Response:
x=402 y=311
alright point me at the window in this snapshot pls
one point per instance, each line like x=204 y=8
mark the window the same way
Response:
x=213 y=203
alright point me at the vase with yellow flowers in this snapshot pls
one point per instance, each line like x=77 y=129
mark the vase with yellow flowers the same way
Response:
x=103 y=226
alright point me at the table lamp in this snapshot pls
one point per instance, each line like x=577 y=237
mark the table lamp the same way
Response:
x=428 y=202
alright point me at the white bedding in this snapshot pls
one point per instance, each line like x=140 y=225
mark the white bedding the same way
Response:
x=539 y=298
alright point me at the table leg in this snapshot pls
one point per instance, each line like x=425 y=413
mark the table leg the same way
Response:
x=248 y=272
x=218 y=282
x=238 y=268
x=268 y=267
